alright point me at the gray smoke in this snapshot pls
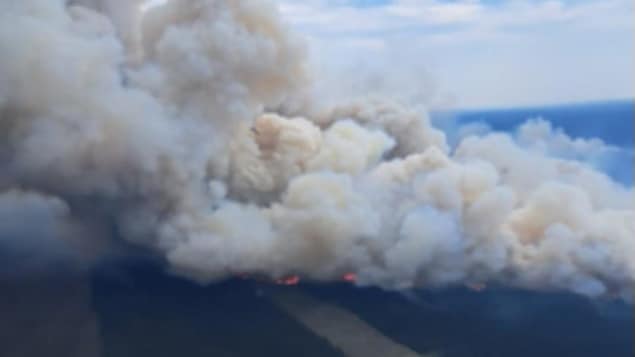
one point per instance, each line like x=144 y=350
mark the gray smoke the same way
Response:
x=193 y=129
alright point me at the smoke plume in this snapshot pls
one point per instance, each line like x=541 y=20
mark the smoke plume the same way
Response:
x=192 y=130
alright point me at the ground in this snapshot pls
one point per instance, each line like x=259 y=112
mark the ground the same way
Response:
x=140 y=312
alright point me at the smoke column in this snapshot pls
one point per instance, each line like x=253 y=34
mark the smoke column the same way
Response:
x=192 y=130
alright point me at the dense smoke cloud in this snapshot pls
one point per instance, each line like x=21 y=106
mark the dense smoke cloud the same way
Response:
x=193 y=130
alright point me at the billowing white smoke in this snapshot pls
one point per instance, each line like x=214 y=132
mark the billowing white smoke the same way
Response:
x=173 y=131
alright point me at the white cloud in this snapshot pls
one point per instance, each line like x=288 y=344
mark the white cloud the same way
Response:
x=486 y=54
x=435 y=12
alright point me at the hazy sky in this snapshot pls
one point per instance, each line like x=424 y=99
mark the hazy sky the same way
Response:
x=486 y=53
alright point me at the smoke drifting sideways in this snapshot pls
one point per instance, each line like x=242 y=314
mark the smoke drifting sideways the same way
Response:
x=192 y=130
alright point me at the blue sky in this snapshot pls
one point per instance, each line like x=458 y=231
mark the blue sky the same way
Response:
x=471 y=53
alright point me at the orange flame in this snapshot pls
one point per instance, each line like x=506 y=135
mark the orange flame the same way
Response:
x=350 y=277
x=288 y=281
x=478 y=287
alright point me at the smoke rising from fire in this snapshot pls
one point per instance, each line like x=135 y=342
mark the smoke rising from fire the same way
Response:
x=194 y=131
